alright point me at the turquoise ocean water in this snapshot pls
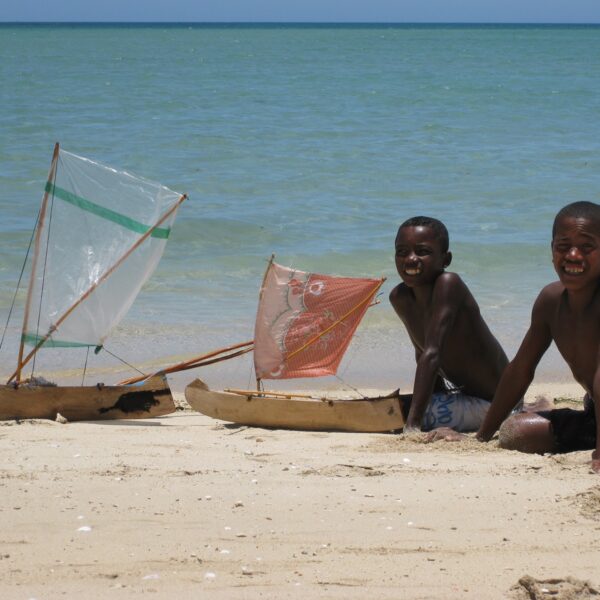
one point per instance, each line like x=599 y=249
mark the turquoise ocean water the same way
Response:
x=312 y=142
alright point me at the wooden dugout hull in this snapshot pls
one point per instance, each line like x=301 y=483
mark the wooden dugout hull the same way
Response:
x=91 y=403
x=362 y=415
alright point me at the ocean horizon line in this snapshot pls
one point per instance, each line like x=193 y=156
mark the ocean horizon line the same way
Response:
x=309 y=24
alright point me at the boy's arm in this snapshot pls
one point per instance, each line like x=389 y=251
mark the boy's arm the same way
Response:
x=439 y=384
x=448 y=295
x=520 y=371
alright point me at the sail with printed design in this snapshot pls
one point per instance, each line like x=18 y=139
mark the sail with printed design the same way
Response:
x=304 y=324
x=99 y=236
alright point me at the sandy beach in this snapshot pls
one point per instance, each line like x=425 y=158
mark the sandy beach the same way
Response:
x=186 y=506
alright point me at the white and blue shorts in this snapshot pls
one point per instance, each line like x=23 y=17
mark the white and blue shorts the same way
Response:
x=455 y=410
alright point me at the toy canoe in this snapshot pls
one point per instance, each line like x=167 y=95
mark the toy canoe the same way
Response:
x=87 y=403
x=290 y=411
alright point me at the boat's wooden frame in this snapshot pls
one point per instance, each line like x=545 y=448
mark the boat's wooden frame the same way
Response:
x=280 y=410
x=101 y=402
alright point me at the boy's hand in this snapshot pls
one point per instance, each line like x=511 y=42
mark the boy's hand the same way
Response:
x=446 y=434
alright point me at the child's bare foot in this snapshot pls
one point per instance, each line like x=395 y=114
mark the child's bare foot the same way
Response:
x=446 y=434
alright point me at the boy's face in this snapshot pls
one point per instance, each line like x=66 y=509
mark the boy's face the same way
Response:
x=576 y=252
x=419 y=255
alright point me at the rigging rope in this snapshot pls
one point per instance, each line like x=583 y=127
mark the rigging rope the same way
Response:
x=250 y=372
x=12 y=304
x=348 y=385
x=124 y=362
x=351 y=355
x=85 y=365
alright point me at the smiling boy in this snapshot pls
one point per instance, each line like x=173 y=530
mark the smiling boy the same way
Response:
x=568 y=313
x=452 y=341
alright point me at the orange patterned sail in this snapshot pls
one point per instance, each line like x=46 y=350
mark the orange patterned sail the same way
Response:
x=305 y=321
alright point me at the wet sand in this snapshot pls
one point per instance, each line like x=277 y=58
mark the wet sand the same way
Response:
x=186 y=506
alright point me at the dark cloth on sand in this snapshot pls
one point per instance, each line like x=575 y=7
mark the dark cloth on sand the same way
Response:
x=573 y=429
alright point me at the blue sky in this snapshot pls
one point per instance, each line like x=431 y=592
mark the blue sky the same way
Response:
x=514 y=11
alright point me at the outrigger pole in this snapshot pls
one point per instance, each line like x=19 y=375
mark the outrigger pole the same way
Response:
x=107 y=274
x=36 y=253
x=199 y=361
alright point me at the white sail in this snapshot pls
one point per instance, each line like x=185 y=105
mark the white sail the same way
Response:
x=94 y=216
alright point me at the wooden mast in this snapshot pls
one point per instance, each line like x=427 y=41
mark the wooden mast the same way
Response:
x=107 y=274
x=260 y=295
x=36 y=253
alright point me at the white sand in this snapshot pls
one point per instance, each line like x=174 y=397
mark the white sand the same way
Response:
x=188 y=507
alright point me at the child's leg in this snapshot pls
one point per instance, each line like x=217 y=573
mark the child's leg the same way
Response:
x=559 y=430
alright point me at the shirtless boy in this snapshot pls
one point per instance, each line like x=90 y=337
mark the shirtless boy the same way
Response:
x=452 y=341
x=568 y=313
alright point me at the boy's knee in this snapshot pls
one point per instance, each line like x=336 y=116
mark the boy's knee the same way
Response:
x=527 y=432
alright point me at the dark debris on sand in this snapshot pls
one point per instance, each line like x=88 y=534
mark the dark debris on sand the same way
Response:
x=588 y=502
x=568 y=588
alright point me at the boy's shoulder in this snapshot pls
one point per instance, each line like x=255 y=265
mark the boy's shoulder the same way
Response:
x=554 y=289
x=551 y=293
x=548 y=299
x=448 y=282
x=400 y=293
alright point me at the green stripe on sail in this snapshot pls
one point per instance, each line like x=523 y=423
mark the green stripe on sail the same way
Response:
x=34 y=340
x=105 y=213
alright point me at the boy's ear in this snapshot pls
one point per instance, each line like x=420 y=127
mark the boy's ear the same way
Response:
x=447 y=259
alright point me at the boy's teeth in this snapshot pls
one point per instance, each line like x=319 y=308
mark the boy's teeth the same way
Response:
x=413 y=271
x=574 y=269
